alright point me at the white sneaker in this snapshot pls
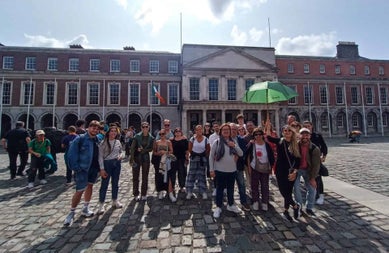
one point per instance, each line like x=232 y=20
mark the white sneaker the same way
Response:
x=233 y=208
x=101 y=208
x=264 y=207
x=189 y=195
x=256 y=206
x=43 y=181
x=205 y=195
x=116 y=204
x=86 y=212
x=217 y=212
x=214 y=193
x=69 y=219
x=30 y=185
x=172 y=197
x=320 y=200
x=160 y=195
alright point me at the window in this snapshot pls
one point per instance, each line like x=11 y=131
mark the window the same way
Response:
x=49 y=93
x=115 y=65
x=6 y=100
x=337 y=69
x=27 y=93
x=30 y=63
x=153 y=98
x=381 y=70
x=94 y=65
x=134 y=94
x=369 y=95
x=339 y=95
x=72 y=93
x=307 y=94
x=322 y=69
x=306 y=68
x=323 y=95
x=371 y=119
x=355 y=119
x=354 y=95
x=385 y=119
x=293 y=100
x=172 y=67
x=134 y=66
x=213 y=89
x=231 y=89
x=324 y=120
x=93 y=94
x=248 y=83
x=74 y=64
x=367 y=70
x=52 y=64
x=173 y=93
x=290 y=68
x=384 y=96
x=194 y=89
x=340 y=120
x=114 y=93
x=352 y=70
x=8 y=62
x=154 y=66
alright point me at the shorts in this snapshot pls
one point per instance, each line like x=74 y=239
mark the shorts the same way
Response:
x=83 y=178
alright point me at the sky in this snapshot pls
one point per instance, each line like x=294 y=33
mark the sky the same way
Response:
x=297 y=27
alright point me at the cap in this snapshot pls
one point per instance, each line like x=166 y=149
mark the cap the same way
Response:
x=40 y=132
x=304 y=130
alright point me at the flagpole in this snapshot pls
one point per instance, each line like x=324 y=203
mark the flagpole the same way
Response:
x=309 y=102
x=151 y=109
x=104 y=99
x=1 y=107
x=363 y=110
x=79 y=98
x=55 y=100
x=28 y=106
x=380 y=103
x=328 y=112
x=128 y=104
x=345 y=102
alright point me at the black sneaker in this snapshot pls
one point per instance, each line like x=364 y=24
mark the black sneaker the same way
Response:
x=287 y=216
x=246 y=207
x=310 y=212
x=297 y=212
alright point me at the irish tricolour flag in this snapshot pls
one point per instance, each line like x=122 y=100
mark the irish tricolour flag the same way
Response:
x=158 y=95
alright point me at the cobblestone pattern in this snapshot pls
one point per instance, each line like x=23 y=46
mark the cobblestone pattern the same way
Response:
x=31 y=221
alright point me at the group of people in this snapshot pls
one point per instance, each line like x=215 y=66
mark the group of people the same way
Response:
x=231 y=153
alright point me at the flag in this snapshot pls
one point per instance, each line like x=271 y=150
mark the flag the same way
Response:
x=158 y=95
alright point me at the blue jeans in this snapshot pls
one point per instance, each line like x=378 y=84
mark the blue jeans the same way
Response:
x=311 y=192
x=113 y=168
x=241 y=186
x=225 y=180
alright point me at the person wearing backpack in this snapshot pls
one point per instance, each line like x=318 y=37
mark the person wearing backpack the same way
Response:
x=38 y=148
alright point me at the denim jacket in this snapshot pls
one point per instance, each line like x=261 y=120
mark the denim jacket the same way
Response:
x=80 y=152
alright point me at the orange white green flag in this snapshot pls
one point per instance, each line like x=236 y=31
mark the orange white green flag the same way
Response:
x=158 y=95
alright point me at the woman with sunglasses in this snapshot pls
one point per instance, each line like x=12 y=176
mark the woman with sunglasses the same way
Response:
x=288 y=161
x=180 y=147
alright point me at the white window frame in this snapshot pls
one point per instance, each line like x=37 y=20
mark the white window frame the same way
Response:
x=134 y=66
x=6 y=93
x=132 y=85
x=170 y=89
x=8 y=62
x=367 y=70
x=45 y=85
x=322 y=68
x=381 y=70
x=74 y=64
x=306 y=68
x=340 y=88
x=357 y=95
x=52 y=64
x=172 y=67
x=369 y=94
x=352 y=70
x=94 y=65
x=384 y=95
x=153 y=100
x=232 y=90
x=154 y=66
x=88 y=96
x=323 y=94
x=114 y=66
x=197 y=93
x=213 y=92
x=67 y=95
x=30 y=63
x=109 y=93
x=293 y=101
x=22 y=93
x=338 y=69
x=290 y=67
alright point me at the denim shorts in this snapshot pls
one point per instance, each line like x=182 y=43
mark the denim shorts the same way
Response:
x=83 y=178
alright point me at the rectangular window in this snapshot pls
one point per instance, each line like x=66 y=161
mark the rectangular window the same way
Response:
x=385 y=119
x=339 y=95
x=49 y=93
x=354 y=95
x=94 y=65
x=114 y=65
x=52 y=64
x=337 y=69
x=134 y=94
x=28 y=93
x=352 y=70
x=154 y=66
x=231 y=89
x=248 y=83
x=72 y=93
x=381 y=70
x=6 y=100
x=93 y=94
x=369 y=95
x=172 y=67
x=134 y=66
x=194 y=89
x=8 y=62
x=173 y=93
x=323 y=95
x=370 y=120
x=74 y=64
x=322 y=68
x=290 y=68
x=384 y=96
x=213 y=89
x=367 y=70
x=30 y=63
x=355 y=120
x=293 y=101
x=306 y=68
x=340 y=120
x=114 y=93
x=153 y=99
x=307 y=94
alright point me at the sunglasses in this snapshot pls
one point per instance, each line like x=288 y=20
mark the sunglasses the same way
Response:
x=145 y=126
x=167 y=125
x=162 y=134
x=287 y=130
x=257 y=135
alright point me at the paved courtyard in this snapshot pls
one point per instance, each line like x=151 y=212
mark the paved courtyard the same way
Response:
x=31 y=221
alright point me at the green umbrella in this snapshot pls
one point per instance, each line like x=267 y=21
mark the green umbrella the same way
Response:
x=268 y=92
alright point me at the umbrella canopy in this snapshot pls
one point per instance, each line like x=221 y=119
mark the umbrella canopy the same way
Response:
x=268 y=92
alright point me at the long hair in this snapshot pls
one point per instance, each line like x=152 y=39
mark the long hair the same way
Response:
x=106 y=137
x=293 y=146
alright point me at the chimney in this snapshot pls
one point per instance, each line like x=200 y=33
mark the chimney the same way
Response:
x=347 y=49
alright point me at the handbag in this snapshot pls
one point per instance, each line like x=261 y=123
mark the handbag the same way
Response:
x=323 y=171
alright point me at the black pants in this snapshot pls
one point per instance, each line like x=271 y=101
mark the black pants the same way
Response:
x=286 y=189
x=320 y=187
x=13 y=156
x=36 y=166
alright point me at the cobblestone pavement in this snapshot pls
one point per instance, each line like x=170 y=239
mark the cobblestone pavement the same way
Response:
x=31 y=221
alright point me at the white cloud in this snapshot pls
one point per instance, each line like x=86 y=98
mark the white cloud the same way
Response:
x=255 y=34
x=243 y=38
x=122 y=3
x=42 y=41
x=322 y=44
x=238 y=37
